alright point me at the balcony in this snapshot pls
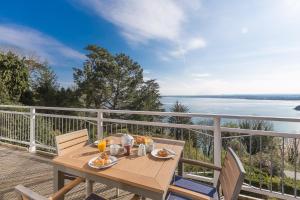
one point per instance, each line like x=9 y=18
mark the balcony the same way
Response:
x=270 y=157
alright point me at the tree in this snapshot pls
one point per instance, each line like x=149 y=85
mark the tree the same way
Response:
x=179 y=133
x=293 y=146
x=13 y=77
x=204 y=138
x=4 y=96
x=257 y=142
x=124 y=81
x=45 y=87
x=67 y=97
x=35 y=67
x=91 y=81
x=114 y=82
x=148 y=97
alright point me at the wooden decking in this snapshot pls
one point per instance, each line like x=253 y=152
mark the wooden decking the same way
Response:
x=35 y=171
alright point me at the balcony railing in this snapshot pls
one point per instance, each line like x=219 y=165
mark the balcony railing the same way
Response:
x=271 y=158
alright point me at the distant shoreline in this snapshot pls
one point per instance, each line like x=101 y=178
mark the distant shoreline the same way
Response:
x=288 y=97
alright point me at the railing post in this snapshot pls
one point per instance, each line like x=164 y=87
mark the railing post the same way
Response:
x=99 y=125
x=32 y=146
x=217 y=147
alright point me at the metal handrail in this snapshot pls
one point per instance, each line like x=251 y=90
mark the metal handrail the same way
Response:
x=157 y=113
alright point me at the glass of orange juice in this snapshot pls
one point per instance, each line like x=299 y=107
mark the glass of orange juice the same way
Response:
x=102 y=145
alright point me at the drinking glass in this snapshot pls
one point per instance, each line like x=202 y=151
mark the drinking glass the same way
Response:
x=102 y=145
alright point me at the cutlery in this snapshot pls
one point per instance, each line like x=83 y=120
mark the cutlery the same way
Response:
x=170 y=151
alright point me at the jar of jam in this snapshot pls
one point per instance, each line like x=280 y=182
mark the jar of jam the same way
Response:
x=127 y=150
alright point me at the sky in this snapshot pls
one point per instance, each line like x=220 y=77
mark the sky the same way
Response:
x=191 y=47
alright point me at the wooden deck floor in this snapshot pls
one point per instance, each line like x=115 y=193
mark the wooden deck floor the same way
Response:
x=35 y=172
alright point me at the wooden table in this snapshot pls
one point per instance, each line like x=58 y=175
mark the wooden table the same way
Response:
x=146 y=176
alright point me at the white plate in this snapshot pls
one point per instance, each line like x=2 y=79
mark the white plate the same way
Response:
x=113 y=160
x=154 y=154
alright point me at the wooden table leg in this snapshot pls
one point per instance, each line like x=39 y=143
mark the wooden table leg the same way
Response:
x=89 y=187
x=58 y=180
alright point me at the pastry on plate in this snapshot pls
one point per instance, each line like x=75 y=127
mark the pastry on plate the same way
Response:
x=102 y=160
x=104 y=156
x=143 y=140
x=162 y=153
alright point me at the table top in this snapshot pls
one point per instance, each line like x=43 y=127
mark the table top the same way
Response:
x=145 y=172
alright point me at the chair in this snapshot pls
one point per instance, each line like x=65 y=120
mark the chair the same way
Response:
x=24 y=193
x=70 y=142
x=230 y=181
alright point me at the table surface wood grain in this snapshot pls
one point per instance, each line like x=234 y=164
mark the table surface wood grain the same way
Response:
x=144 y=172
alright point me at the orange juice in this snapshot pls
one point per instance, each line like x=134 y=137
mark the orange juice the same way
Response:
x=102 y=145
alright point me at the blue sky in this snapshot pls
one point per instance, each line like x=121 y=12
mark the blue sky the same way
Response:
x=191 y=47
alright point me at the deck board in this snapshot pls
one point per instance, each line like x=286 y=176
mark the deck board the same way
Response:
x=35 y=172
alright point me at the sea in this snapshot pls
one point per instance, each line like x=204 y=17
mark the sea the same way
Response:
x=242 y=105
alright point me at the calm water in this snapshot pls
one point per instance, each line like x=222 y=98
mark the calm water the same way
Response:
x=278 y=108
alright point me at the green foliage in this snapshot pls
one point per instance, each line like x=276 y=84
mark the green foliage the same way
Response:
x=91 y=80
x=262 y=179
x=13 y=77
x=256 y=141
x=195 y=153
x=204 y=142
x=148 y=97
x=106 y=81
x=115 y=82
x=68 y=97
x=4 y=96
x=177 y=132
x=293 y=151
x=124 y=79
x=44 y=87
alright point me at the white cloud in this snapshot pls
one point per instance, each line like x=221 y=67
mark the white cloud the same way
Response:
x=187 y=46
x=141 y=20
x=28 y=41
x=147 y=71
x=201 y=75
x=148 y=20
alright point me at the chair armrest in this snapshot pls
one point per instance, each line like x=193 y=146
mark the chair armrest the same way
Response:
x=69 y=186
x=188 y=193
x=25 y=193
x=200 y=163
